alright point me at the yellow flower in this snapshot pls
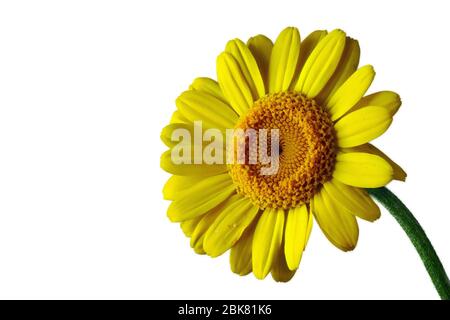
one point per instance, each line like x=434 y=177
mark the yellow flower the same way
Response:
x=312 y=91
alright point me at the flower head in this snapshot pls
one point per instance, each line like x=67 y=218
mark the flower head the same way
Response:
x=302 y=151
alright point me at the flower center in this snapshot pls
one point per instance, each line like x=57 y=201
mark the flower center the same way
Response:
x=307 y=151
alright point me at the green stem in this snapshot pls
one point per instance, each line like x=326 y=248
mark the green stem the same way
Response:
x=418 y=238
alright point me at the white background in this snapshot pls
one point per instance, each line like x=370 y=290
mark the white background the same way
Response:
x=85 y=88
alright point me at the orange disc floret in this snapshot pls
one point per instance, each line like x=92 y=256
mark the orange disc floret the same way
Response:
x=307 y=151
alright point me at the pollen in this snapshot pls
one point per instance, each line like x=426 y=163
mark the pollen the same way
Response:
x=305 y=156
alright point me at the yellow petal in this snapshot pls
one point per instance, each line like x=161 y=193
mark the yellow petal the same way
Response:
x=229 y=226
x=204 y=169
x=362 y=126
x=296 y=234
x=350 y=92
x=347 y=65
x=339 y=226
x=176 y=185
x=199 y=250
x=280 y=270
x=261 y=48
x=355 y=200
x=241 y=252
x=167 y=131
x=188 y=226
x=198 y=105
x=386 y=99
x=308 y=230
x=171 y=136
x=202 y=197
x=198 y=236
x=248 y=66
x=233 y=83
x=177 y=117
x=307 y=46
x=284 y=58
x=209 y=86
x=362 y=170
x=267 y=241
x=321 y=64
x=399 y=173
